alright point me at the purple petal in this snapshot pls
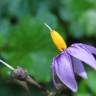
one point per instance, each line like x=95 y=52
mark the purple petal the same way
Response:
x=65 y=72
x=79 y=68
x=53 y=72
x=89 y=48
x=82 y=55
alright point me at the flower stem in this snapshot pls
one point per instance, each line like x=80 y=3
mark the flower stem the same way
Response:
x=45 y=91
x=41 y=88
x=21 y=74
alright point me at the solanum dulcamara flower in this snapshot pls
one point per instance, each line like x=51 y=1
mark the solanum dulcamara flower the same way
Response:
x=70 y=61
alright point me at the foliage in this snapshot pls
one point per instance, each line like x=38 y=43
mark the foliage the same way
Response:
x=25 y=41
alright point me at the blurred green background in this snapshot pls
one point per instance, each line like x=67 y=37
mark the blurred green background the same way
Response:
x=26 y=42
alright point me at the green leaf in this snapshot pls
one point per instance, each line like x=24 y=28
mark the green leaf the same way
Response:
x=82 y=89
x=45 y=16
x=76 y=29
x=88 y=20
x=18 y=7
x=31 y=48
x=91 y=81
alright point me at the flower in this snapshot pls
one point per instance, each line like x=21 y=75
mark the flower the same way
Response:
x=70 y=61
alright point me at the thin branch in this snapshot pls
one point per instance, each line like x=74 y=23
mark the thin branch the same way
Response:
x=22 y=75
x=7 y=65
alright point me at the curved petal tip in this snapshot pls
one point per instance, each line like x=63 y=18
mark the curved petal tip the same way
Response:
x=75 y=90
x=84 y=75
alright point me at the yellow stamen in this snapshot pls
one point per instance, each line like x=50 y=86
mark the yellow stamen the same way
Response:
x=57 y=39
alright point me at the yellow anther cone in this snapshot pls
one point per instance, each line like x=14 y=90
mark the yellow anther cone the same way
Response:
x=57 y=39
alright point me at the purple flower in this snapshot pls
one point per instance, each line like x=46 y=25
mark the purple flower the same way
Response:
x=69 y=62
